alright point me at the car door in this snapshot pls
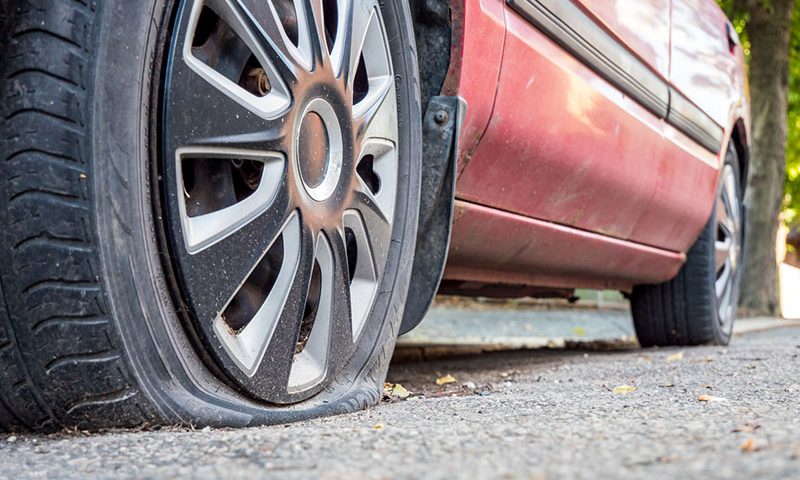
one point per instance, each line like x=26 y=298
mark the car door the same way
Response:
x=704 y=59
x=578 y=135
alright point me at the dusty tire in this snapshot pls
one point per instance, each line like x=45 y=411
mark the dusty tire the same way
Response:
x=95 y=329
x=686 y=310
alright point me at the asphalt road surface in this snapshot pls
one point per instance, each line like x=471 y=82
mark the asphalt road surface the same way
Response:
x=706 y=412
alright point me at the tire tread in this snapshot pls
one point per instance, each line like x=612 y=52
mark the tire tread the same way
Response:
x=61 y=359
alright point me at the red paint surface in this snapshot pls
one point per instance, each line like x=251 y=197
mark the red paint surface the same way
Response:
x=562 y=257
x=703 y=68
x=479 y=58
x=578 y=184
x=643 y=25
x=567 y=147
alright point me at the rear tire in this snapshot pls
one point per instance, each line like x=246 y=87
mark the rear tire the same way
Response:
x=687 y=309
x=94 y=329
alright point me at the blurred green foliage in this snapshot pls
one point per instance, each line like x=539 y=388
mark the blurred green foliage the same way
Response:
x=792 y=186
x=793 y=146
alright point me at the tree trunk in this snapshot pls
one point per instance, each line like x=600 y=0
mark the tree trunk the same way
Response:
x=769 y=32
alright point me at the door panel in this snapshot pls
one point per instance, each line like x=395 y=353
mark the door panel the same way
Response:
x=643 y=25
x=566 y=146
x=703 y=67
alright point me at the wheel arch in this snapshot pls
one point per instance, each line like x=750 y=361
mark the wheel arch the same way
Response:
x=741 y=143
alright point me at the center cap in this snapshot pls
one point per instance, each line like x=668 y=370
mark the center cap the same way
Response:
x=319 y=150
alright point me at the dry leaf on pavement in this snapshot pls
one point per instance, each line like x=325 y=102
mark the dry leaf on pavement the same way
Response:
x=710 y=398
x=706 y=359
x=391 y=390
x=747 y=428
x=675 y=357
x=445 y=380
x=750 y=445
x=623 y=389
x=400 y=391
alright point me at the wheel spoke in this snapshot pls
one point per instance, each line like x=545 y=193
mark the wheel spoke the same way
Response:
x=266 y=333
x=311 y=24
x=722 y=252
x=273 y=373
x=378 y=122
x=355 y=16
x=378 y=71
x=723 y=217
x=342 y=338
x=266 y=20
x=203 y=230
x=310 y=365
x=213 y=275
x=369 y=234
x=220 y=59
x=205 y=112
x=377 y=226
x=724 y=291
x=374 y=114
x=732 y=202
x=722 y=280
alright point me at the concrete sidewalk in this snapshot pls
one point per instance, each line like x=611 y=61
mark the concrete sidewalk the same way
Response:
x=474 y=327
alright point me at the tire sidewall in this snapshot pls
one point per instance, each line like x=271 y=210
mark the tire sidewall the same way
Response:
x=179 y=382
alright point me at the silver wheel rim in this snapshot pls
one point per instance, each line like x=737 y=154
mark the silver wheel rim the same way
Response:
x=727 y=246
x=309 y=233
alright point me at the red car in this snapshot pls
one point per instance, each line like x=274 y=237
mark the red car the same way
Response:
x=224 y=212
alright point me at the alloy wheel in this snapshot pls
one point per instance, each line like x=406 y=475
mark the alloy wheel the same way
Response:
x=280 y=170
x=727 y=247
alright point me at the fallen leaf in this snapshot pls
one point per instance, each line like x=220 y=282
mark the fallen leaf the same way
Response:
x=747 y=428
x=749 y=445
x=623 y=389
x=579 y=331
x=710 y=398
x=445 y=380
x=675 y=357
x=706 y=359
x=400 y=391
x=395 y=391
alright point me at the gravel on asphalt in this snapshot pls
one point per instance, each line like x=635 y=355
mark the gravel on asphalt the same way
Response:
x=520 y=414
